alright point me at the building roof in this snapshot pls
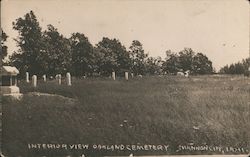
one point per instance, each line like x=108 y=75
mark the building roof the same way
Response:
x=9 y=70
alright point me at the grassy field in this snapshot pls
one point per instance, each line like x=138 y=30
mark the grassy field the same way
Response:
x=174 y=111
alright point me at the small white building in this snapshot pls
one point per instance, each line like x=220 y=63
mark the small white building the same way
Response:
x=8 y=81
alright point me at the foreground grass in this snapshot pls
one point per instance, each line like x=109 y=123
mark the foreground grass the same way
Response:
x=212 y=111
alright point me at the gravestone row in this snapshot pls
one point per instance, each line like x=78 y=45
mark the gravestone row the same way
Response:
x=58 y=78
x=113 y=76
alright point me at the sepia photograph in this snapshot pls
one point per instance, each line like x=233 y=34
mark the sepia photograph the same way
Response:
x=125 y=78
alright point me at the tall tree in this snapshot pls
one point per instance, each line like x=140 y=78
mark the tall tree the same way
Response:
x=29 y=41
x=171 y=65
x=246 y=65
x=186 y=59
x=224 y=70
x=3 y=46
x=153 y=65
x=83 y=61
x=201 y=64
x=57 y=53
x=113 y=56
x=138 y=57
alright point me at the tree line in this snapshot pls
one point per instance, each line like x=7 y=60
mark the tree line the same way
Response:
x=49 y=52
x=242 y=67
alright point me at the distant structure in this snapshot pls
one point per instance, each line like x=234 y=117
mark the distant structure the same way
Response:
x=186 y=73
x=8 y=81
x=180 y=73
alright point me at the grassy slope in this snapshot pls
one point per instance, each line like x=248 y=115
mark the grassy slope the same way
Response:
x=147 y=111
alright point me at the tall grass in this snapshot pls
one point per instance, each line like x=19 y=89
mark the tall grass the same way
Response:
x=151 y=110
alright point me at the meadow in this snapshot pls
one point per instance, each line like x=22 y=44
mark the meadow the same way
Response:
x=168 y=110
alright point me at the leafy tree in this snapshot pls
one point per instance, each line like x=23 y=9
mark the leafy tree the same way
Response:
x=239 y=68
x=106 y=61
x=123 y=58
x=246 y=62
x=112 y=56
x=171 y=65
x=246 y=65
x=56 y=52
x=138 y=57
x=3 y=47
x=153 y=65
x=186 y=59
x=83 y=60
x=201 y=64
x=224 y=70
x=29 y=41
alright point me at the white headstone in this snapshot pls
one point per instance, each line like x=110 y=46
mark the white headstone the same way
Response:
x=27 y=77
x=113 y=75
x=44 y=78
x=132 y=75
x=59 y=79
x=34 y=80
x=68 y=79
x=126 y=76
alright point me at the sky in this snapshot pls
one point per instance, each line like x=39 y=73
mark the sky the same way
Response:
x=217 y=28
